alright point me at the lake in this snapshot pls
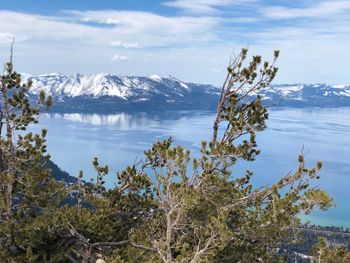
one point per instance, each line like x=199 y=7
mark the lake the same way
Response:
x=119 y=139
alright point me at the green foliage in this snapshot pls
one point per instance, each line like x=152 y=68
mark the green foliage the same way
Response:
x=322 y=252
x=26 y=189
x=169 y=206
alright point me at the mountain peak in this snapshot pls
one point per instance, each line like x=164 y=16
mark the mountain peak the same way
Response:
x=155 y=77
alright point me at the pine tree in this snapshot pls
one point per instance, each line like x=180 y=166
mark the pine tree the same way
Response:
x=169 y=206
x=22 y=157
x=323 y=252
x=204 y=211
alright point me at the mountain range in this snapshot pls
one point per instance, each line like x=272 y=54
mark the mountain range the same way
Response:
x=107 y=93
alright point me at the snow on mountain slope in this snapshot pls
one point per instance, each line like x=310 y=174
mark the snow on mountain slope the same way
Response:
x=320 y=95
x=106 y=92
x=97 y=85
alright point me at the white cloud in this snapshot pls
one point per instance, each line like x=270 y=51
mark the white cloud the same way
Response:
x=6 y=37
x=150 y=29
x=74 y=42
x=153 y=30
x=118 y=57
x=318 y=10
x=46 y=28
x=118 y=43
x=184 y=45
x=203 y=6
x=198 y=6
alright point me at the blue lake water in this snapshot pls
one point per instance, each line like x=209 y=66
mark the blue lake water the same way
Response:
x=74 y=139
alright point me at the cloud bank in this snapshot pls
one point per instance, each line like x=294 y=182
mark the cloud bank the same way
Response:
x=193 y=41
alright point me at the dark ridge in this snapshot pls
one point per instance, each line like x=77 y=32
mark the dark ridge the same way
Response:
x=59 y=175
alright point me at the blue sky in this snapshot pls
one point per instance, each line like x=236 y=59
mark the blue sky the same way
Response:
x=189 y=39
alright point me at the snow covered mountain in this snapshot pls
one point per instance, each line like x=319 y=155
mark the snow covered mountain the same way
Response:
x=111 y=93
x=108 y=93
x=307 y=95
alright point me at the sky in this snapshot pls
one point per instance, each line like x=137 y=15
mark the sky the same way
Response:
x=192 y=40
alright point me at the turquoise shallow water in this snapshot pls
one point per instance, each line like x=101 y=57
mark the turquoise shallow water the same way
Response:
x=74 y=139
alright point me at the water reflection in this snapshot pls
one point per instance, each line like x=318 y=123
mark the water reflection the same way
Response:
x=122 y=120
x=74 y=139
x=128 y=120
